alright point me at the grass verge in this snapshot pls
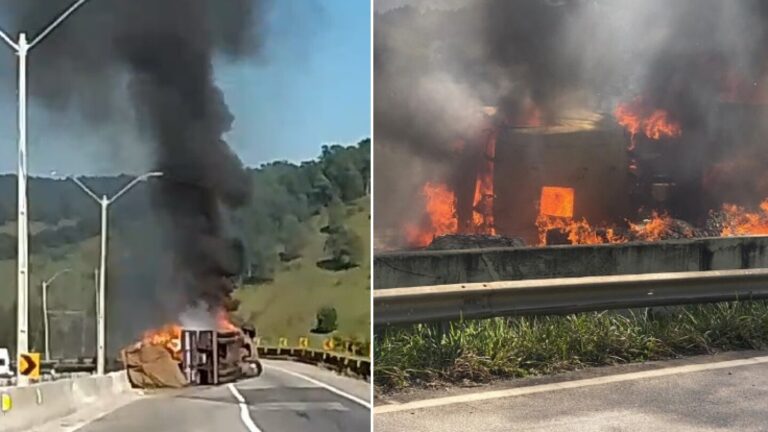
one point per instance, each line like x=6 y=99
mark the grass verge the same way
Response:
x=482 y=350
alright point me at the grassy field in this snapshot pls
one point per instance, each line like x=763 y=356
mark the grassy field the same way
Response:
x=287 y=306
x=483 y=350
x=284 y=308
x=73 y=290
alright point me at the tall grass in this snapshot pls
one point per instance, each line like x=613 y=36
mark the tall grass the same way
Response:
x=481 y=350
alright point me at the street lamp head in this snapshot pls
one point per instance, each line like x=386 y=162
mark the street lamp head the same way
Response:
x=152 y=174
x=59 y=273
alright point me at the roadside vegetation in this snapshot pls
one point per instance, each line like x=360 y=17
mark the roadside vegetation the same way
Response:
x=305 y=232
x=287 y=305
x=480 y=351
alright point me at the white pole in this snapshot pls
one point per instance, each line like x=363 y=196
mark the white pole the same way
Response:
x=46 y=334
x=96 y=304
x=104 y=202
x=102 y=273
x=45 y=320
x=22 y=339
x=22 y=48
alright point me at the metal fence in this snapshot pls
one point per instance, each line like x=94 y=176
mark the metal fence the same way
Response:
x=565 y=295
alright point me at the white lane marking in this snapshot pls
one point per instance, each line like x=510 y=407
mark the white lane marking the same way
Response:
x=328 y=387
x=300 y=406
x=521 y=391
x=245 y=415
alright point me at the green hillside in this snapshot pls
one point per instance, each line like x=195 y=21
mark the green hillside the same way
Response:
x=72 y=291
x=304 y=235
x=286 y=307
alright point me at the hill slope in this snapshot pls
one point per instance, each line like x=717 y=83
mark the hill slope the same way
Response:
x=299 y=215
x=287 y=306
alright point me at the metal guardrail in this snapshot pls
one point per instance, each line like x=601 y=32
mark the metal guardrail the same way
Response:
x=52 y=370
x=345 y=363
x=341 y=362
x=565 y=295
x=65 y=366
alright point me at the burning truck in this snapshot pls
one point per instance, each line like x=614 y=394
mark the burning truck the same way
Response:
x=174 y=356
x=559 y=156
x=589 y=178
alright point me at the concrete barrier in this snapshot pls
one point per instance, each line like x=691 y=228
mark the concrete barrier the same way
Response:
x=431 y=267
x=41 y=403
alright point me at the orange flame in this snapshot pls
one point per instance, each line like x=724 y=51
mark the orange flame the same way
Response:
x=441 y=209
x=556 y=212
x=223 y=323
x=579 y=232
x=556 y=201
x=655 y=124
x=654 y=229
x=168 y=336
x=739 y=221
x=659 y=125
x=482 y=215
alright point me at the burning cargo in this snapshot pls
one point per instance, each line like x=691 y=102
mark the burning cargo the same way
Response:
x=587 y=178
x=174 y=357
x=560 y=123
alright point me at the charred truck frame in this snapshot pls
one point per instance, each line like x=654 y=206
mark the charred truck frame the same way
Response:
x=210 y=357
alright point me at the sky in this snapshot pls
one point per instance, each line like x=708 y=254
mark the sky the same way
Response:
x=311 y=88
x=385 y=5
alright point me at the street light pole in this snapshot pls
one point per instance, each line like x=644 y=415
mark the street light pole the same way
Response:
x=46 y=284
x=101 y=336
x=22 y=49
x=104 y=202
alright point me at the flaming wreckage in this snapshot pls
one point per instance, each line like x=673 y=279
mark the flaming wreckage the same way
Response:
x=583 y=173
x=668 y=147
x=174 y=357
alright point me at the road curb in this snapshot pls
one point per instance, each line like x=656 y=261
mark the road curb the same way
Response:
x=41 y=403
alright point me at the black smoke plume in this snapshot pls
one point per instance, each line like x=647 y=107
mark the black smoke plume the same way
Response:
x=151 y=62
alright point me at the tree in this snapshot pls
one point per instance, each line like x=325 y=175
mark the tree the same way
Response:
x=345 y=248
x=293 y=236
x=326 y=320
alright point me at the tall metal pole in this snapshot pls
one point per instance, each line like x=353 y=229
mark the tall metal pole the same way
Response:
x=22 y=48
x=46 y=329
x=96 y=303
x=45 y=321
x=104 y=202
x=22 y=340
x=101 y=332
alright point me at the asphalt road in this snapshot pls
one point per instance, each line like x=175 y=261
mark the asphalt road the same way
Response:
x=684 y=396
x=288 y=397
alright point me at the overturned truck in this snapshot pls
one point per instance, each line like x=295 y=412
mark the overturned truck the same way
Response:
x=194 y=357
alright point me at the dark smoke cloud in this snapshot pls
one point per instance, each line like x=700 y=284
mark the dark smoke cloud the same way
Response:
x=435 y=70
x=158 y=54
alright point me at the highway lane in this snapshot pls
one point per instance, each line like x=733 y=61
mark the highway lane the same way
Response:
x=690 y=395
x=288 y=397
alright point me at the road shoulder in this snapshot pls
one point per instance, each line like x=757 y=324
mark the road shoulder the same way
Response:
x=441 y=390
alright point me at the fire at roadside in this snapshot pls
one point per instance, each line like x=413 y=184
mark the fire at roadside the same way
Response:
x=173 y=356
x=666 y=145
x=555 y=221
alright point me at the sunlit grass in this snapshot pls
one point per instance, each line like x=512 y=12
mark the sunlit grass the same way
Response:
x=482 y=350
x=287 y=306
